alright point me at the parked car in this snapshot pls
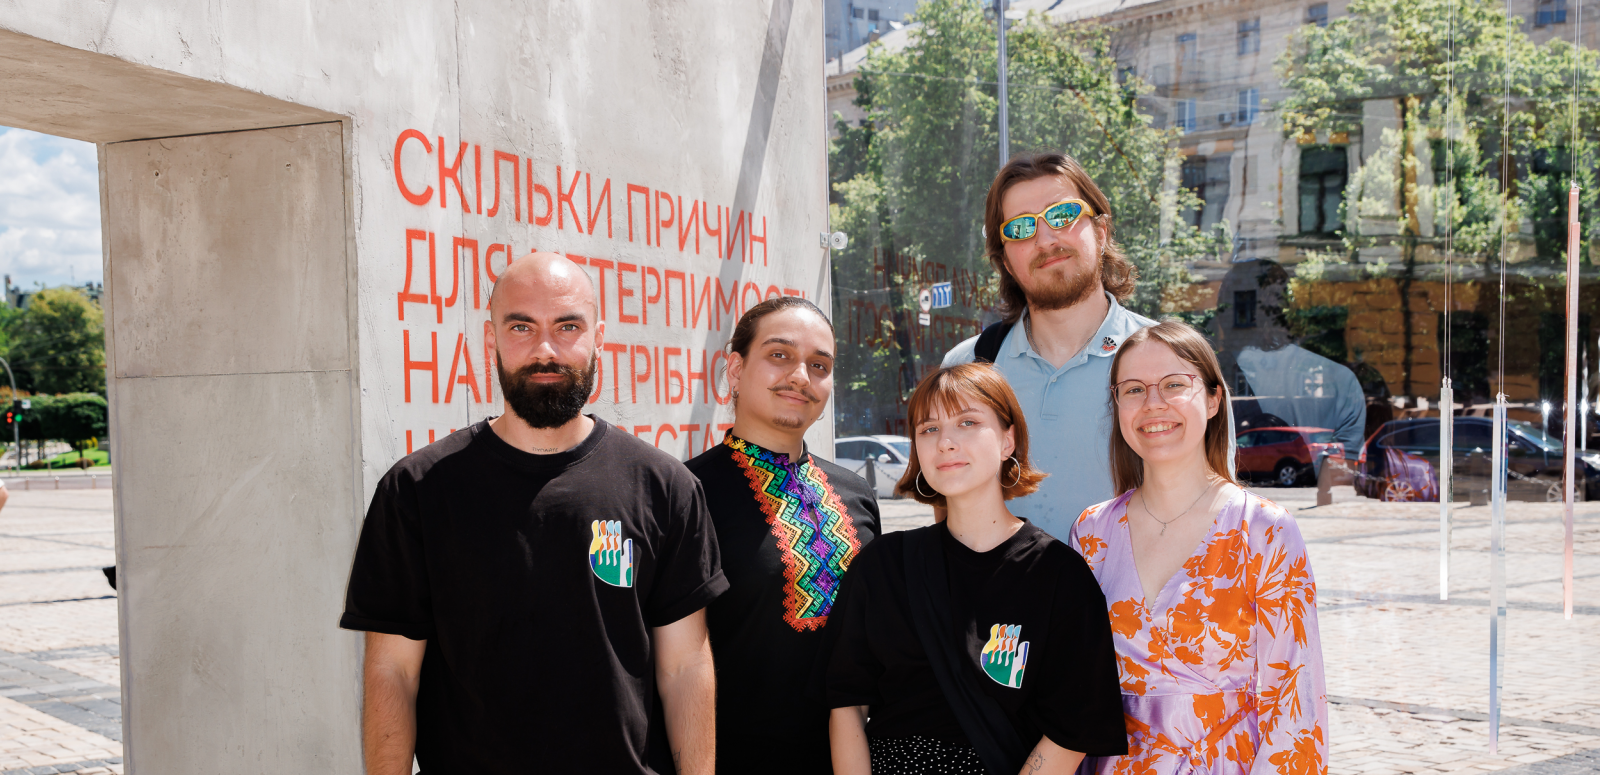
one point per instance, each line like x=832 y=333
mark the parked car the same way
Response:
x=1400 y=462
x=889 y=456
x=1285 y=456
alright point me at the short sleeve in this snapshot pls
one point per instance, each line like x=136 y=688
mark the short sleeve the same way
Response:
x=389 y=590
x=965 y=352
x=847 y=672
x=688 y=564
x=1080 y=706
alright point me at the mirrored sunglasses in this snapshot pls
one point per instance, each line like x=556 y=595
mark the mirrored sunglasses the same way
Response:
x=1059 y=215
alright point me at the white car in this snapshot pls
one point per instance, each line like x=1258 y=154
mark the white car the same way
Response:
x=889 y=456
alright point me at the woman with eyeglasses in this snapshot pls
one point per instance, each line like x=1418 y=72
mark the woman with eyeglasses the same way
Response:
x=1208 y=587
x=978 y=644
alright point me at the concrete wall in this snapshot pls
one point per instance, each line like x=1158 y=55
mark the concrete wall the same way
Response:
x=231 y=367
x=265 y=279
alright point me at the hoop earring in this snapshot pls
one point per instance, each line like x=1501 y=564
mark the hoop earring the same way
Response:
x=917 y=483
x=1013 y=459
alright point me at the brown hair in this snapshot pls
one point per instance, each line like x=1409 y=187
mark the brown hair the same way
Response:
x=953 y=389
x=744 y=332
x=1117 y=273
x=1127 y=468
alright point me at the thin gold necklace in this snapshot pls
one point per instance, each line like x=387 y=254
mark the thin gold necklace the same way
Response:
x=1144 y=504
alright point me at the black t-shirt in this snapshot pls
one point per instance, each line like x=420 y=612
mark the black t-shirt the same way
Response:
x=1031 y=618
x=787 y=532
x=535 y=580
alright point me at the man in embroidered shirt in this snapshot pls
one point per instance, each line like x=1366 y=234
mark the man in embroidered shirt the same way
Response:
x=533 y=587
x=1048 y=232
x=788 y=524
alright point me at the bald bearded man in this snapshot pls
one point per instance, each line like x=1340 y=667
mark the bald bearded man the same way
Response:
x=533 y=588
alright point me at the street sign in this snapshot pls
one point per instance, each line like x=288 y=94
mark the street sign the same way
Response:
x=925 y=299
x=924 y=318
x=942 y=295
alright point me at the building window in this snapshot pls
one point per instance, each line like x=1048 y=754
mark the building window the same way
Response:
x=1323 y=171
x=1250 y=36
x=1126 y=73
x=1185 y=119
x=1244 y=309
x=1317 y=14
x=1550 y=12
x=858 y=13
x=1208 y=177
x=872 y=14
x=1249 y=105
x=1186 y=47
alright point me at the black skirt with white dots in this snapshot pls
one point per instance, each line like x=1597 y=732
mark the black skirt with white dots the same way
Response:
x=922 y=756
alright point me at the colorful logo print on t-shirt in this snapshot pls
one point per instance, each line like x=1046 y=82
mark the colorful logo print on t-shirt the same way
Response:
x=1005 y=656
x=611 y=555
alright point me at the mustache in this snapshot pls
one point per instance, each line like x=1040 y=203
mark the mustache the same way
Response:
x=548 y=368
x=1042 y=257
x=804 y=392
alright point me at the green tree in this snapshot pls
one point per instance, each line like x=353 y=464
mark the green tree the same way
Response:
x=57 y=344
x=1448 y=67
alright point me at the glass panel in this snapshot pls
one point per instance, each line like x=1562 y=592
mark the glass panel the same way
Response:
x=1325 y=190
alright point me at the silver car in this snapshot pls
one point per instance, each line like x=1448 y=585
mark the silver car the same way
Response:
x=888 y=455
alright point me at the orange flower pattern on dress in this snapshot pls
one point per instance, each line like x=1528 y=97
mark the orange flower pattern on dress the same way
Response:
x=1222 y=672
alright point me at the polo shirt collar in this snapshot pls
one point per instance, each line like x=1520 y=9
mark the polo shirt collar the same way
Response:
x=1118 y=325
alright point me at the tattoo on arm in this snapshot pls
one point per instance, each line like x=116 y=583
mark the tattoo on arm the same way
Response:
x=1035 y=762
x=677 y=761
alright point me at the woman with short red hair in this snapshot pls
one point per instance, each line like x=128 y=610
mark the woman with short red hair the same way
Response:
x=979 y=644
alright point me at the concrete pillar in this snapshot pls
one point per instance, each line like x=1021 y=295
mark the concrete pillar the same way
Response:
x=231 y=357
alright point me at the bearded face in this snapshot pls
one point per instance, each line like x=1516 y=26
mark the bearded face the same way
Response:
x=546 y=404
x=1057 y=278
x=1056 y=268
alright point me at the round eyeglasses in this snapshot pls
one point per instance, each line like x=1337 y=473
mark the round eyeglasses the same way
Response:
x=1173 y=389
x=1059 y=215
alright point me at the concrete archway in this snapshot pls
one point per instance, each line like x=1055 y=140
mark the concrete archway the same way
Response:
x=230 y=366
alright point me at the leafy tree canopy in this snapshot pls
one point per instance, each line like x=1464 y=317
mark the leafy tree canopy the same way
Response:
x=57 y=344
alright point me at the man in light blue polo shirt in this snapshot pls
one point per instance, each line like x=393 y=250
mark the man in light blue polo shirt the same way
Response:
x=1048 y=232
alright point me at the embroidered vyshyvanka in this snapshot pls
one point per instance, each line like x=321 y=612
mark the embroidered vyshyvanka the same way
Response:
x=1222 y=672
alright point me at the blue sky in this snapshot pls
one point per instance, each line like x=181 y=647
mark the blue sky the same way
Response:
x=49 y=209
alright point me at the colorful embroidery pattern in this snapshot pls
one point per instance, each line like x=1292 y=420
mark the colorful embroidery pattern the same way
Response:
x=1005 y=656
x=815 y=534
x=610 y=555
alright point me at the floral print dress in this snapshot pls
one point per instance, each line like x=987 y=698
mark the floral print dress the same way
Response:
x=1222 y=672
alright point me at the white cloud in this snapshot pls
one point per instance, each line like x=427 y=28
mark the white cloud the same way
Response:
x=49 y=209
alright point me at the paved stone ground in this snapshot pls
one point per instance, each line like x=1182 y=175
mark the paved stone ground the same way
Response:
x=1407 y=674
x=60 y=702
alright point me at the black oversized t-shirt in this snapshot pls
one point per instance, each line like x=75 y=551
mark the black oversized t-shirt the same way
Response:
x=788 y=532
x=536 y=580
x=1037 y=640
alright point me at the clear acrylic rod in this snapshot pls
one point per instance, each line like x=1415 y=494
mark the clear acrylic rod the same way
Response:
x=1446 y=481
x=1571 y=412
x=1497 y=570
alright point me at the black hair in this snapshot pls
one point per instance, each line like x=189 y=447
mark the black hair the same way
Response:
x=745 y=331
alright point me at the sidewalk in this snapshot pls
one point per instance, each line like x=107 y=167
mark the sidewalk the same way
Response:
x=60 y=702
x=1408 y=675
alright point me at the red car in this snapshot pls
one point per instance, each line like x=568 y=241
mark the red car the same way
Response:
x=1285 y=456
